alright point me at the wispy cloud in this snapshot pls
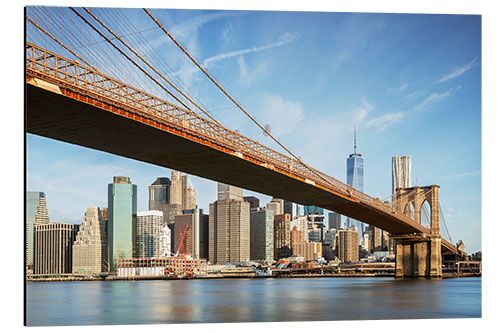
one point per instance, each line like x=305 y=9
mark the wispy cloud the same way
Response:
x=284 y=39
x=463 y=175
x=432 y=99
x=361 y=112
x=458 y=71
x=383 y=122
x=399 y=89
x=193 y=24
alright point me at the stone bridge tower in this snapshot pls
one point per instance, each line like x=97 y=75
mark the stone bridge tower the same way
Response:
x=418 y=254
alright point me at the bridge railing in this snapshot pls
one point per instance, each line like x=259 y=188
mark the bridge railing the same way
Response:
x=63 y=71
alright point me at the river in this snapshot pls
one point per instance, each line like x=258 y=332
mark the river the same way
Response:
x=249 y=300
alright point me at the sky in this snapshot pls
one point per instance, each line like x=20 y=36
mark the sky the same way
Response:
x=411 y=83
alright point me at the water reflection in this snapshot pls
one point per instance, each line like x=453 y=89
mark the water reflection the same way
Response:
x=249 y=300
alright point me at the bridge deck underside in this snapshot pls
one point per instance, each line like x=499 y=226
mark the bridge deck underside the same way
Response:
x=67 y=119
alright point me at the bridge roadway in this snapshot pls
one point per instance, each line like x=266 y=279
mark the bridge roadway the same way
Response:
x=66 y=109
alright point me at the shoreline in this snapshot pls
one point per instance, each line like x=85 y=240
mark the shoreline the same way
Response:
x=231 y=276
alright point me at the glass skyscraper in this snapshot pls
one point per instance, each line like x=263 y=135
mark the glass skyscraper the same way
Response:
x=313 y=210
x=122 y=220
x=355 y=178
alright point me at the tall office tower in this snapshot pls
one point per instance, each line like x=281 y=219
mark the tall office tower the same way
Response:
x=347 y=245
x=229 y=192
x=229 y=226
x=281 y=203
x=159 y=193
x=165 y=239
x=302 y=225
x=329 y=244
x=254 y=203
x=282 y=244
x=188 y=193
x=195 y=236
x=122 y=220
x=36 y=213
x=316 y=234
x=53 y=248
x=355 y=178
x=401 y=172
x=149 y=229
x=274 y=207
x=262 y=236
x=290 y=208
x=90 y=248
x=375 y=235
x=176 y=188
x=309 y=251
x=334 y=220
x=308 y=210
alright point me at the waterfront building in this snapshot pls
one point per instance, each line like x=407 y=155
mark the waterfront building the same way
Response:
x=90 y=248
x=308 y=250
x=347 y=247
x=188 y=194
x=253 y=201
x=196 y=235
x=334 y=220
x=401 y=172
x=36 y=214
x=302 y=225
x=53 y=248
x=122 y=220
x=282 y=243
x=296 y=236
x=229 y=226
x=165 y=241
x=329 y=244
x=355 y=178
x=159 y=193
x=262 y=236
x=149 y=229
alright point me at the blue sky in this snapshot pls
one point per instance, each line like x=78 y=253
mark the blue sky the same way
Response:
x=410 y=83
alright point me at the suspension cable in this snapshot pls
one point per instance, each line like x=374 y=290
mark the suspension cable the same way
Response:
x=154 y=69
x=444 y=222
x=126 y=56
x=236 y=103
x=60 y=43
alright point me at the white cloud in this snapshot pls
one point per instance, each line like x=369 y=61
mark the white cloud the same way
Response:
x=432 y=99
x=284 y=116
x=458 y=71
x=463 y=175
x=361 y=112
x=383 y=122
x=284 y=39
x=399 y=89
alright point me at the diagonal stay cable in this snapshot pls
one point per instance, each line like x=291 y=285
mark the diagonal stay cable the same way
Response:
x=150 y=66
x=236 y=103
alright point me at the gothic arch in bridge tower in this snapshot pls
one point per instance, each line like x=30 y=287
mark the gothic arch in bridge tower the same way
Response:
x=419 y=254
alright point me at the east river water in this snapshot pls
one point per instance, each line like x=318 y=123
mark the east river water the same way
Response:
x=249 y=300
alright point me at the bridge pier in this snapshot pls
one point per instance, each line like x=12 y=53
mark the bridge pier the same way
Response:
x=418 y=255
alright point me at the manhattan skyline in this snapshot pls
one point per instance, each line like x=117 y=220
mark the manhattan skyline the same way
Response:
x=411 y=84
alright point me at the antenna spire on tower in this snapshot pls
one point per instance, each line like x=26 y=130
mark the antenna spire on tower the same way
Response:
x=354 y=139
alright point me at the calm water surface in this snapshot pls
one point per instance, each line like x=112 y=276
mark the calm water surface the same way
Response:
x=249 y=300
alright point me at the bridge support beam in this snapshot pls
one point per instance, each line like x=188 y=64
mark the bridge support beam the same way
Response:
x=418 y=255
